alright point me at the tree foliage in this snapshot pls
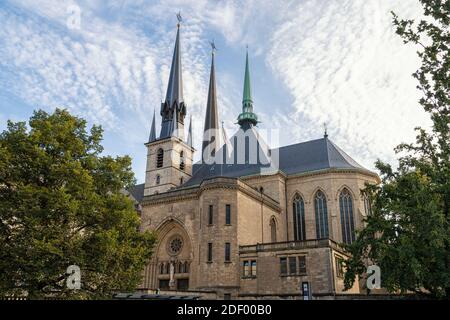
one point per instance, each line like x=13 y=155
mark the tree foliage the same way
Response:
x=408 y=233
x=62 y=204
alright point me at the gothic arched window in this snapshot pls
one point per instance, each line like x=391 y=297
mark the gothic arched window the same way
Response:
x=160 y=158
x=158 y=179
x=320 y=206
x=167 y=268
x=347 y=223
x=273 y=230
x=299 y=218
x=367 y=205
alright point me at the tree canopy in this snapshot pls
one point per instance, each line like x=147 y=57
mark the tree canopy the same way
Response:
x=62 y=203
x=408 y=233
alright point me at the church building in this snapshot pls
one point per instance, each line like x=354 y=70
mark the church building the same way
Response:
x=246 y=221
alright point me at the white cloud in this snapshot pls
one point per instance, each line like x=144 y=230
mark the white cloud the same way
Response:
x=344 y=65
x=339 y=61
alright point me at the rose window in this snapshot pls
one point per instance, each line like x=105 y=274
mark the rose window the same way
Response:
x=175 y=245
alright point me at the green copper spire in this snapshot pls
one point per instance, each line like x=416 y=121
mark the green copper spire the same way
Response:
x=247 y=98
x=247 y=117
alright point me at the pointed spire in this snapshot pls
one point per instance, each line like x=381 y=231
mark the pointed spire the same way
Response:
x=247 y=117
x=152 y=136
x=247 y=97
x=173 y=106
x=211 y=117
x=189 y=138
x=175 y=87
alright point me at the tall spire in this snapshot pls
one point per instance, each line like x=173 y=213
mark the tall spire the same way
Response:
x=247 y=117
x=175 y=87
x=152 y=136
x=210 y=133
x=174 y=97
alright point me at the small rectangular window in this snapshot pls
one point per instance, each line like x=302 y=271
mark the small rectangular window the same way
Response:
x=226 y=296
x=209 y=252
x=302 y=264
x=164 y=284
x=227 y=252
x=292 y=265
x=246 y=265
x=283 y=266
x=227 y=214
x=339 y=267
x=210 y=214
x=253 y=268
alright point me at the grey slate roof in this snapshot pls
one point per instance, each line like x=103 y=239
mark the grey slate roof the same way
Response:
x=137 y=192
x=298 y=158
x=302 y=157
x=314 y=155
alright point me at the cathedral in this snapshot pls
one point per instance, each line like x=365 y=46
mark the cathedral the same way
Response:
x=246 y=221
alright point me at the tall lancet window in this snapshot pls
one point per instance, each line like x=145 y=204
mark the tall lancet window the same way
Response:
x=273 y=230
x=299 y=218
x=347 y=223
x=320 y=205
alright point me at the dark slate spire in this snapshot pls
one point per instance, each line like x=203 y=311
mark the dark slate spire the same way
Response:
x=247 y=117
x=211 y=117
x=174 y=97
x=152 y=130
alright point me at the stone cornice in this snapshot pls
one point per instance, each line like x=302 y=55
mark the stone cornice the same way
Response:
x=335 y=170
x=164 y=140
x=210 y=184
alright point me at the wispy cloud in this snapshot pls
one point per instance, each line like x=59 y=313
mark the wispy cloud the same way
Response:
x=329 y=61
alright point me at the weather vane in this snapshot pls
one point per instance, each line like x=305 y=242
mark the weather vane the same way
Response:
x=213 y=46
x=179 y=17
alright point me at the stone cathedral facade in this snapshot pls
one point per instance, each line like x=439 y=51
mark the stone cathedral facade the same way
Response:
x=240 y=228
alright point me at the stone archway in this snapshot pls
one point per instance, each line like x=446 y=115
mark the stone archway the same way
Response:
x=172 y=258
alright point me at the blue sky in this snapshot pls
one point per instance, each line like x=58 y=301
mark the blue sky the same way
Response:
x=314 y=61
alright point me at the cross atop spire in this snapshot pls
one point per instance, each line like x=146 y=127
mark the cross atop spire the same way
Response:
x=213 y=46
x=247 y=117
x=325 y=131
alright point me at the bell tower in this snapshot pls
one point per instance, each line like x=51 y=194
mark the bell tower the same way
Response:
x=169 y=157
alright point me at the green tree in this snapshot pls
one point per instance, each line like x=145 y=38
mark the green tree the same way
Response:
x=408 y=233
x=62 y=204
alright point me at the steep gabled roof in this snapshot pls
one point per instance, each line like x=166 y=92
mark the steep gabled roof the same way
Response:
x=302 y=157
x=314 y=155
